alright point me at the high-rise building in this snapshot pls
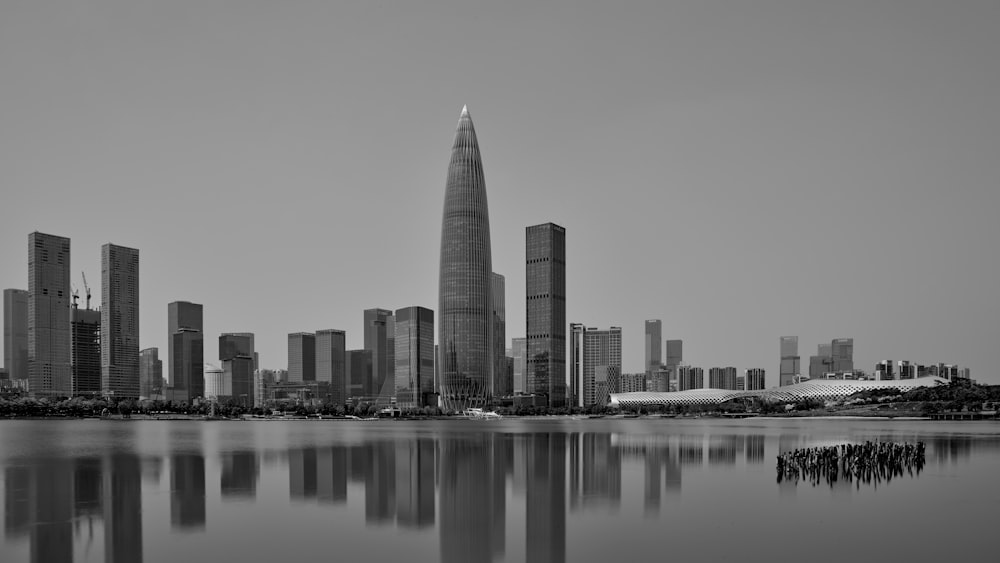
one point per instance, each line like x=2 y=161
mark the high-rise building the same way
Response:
x=464 y=327
x=15 y=333
x=49 y=371
x=186 y=350
x=722 y=378
x=85 y=351
x=301 y=357
x=150 y=373
x=821 y=363
x=754 y=379
x=331 y=355
x=379 y=332
x=654 y=345
x=233 y=344
x=545 y=282
x=414 y=369
x=675 y=353
x=519 y=351
x=498 y=318
x=359 y=374
x=237 y=373
x=690 y=378
x=120 y=321
x=842 y=355
x=596 y=364
x=885 y=370
x=789 y=365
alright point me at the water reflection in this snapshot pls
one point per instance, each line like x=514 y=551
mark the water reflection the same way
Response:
x=471 y=486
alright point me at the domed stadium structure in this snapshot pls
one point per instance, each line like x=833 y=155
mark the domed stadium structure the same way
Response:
x=823 y=389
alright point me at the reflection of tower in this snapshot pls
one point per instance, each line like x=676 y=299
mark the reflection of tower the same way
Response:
x=415 y=483
x=755 y=448
x=653 y=472
x=690 y=450
x=123 y=509
x=601 y=462
x=187 y=491
x=380 y=484
x=722 y=449
x=467 y=503
x=331 y=474
x=302 y=473
x=239 y=474
x=546 y=521
x=16 y=505
x=39 y=502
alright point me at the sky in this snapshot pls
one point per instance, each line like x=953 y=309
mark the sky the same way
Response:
x=742 y=170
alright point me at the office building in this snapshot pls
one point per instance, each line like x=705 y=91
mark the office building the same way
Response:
x=301 y=357
x=359 y=374
x=690 y=378
x=821 y=363
x=150 y=373
x=633 y=382
x=789 y=365
x=675 y=353
x=464 y=284
x=498 y=344
x=754 y=379
x=596 y=364
x=186 y=350
x=238 y=373
x=654 y=345
x=85 y=351
x=722 y=378
x=545 y=283
x=49 y=370
x=842 y=355
x=379 y=334
x=217 y=386
x=414 y=356
x=233 y=344
x=15 y=333
x=331 y=357
x=120 y=321
x=519 y=353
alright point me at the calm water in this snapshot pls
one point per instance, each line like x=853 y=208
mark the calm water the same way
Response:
x=469 y=491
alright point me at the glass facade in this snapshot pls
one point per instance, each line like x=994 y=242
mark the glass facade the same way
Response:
x=49 y=315
x=464 y=327
x=301 y=357
x=414 y=369
x=545 y=283
x=120 y=321
x=379 y=334
x=150 y=373
x=595 y=364
x=15 y=333
x=789 y=363
x=331 y=357
x=498 y=316
x=186 y=349
x=654 y=345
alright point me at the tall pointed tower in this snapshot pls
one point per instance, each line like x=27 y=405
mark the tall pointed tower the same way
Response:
x=464 y=329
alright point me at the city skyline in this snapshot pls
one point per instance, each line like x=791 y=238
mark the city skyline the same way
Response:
x=797 y=160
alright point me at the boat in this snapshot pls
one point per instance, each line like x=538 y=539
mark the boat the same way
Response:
x=475 y=413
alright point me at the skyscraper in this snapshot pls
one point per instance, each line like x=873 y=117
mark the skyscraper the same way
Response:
x=675 y=357
x=85 y=351
x=49 y=294
x=722 y=378
x=301 y=357
x=330 y=363
x=150 y=373
x=498 y=317
x=754 y=379
x=464 y=327
x=414 y=369
x=233 y=344
x=654 y=345
x=789 y=366
x=519 y=348
x=596 y=360
x=842 y=354
x=690 y=378
x=186 y=350
x=379 y=333
x=120 y=321
x=545 y=282
x=359 y=373
x=15 y=333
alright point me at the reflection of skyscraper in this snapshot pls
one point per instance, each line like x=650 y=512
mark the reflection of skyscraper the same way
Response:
x=380 y=333
x=599 y=466
x=468 y=512
x=239 y=475
x=654 y=345
x=545 y=256
x=464 y=327
x=653 y=461
x=302 y=473
x=380 y=483
x=51 y=504
x=87 y=492
x=415 y=483
x=187 y=491
x=48 y=315
x=15 y=333
x=723 y=449
x=120 y=321
x=755 y=448
x=331 y=474
x=123 y=508
x=546 y=498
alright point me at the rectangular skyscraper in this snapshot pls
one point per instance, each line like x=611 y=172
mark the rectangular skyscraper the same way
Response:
x=359 y=374
x=379 y=334
x=498 y=316
x=331 y=355
x=654 y=345
x=150 y=373
x=414 y=370
x=120 y=321
x=596 y=364
x=301 y=357
x=15 y=333
x=186 y=349
x=842 y=354
x=789 y=366
x=545 y=283
x=233 y=344
x=519 y=348
x=49 y=371
x=85 y=351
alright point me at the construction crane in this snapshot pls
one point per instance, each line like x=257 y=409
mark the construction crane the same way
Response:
x=86 y=288
x=76 y=295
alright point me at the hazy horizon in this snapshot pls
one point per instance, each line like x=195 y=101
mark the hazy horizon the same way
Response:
x=740 y=170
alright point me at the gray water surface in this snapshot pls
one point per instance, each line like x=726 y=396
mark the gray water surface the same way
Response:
x=485 y=491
